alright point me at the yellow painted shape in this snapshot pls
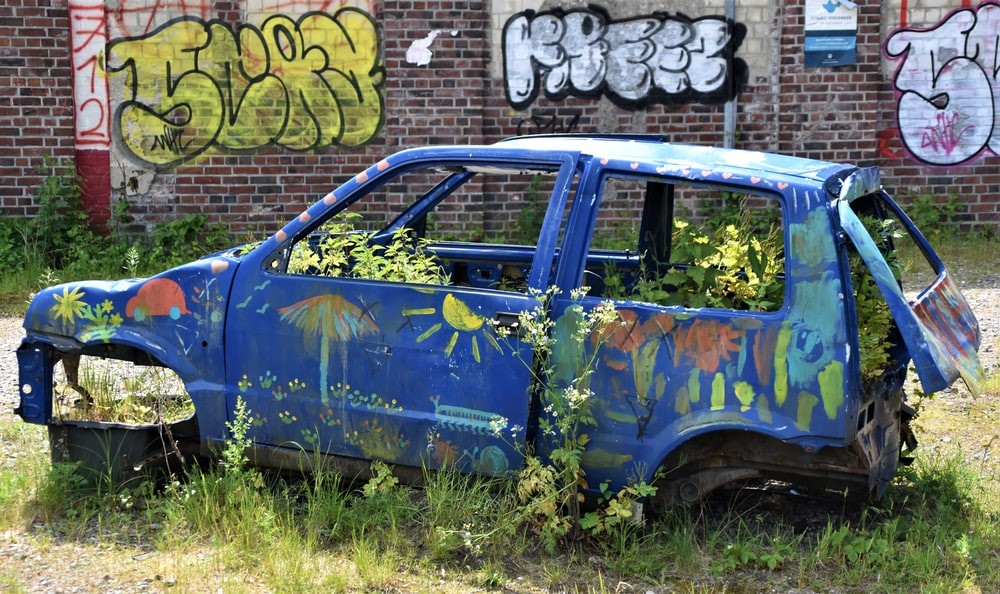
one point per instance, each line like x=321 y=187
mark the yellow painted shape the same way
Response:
x=807 y=402
x=744 y=393
x=605 y=459
x=429 y=332
x=694 y=385
x=831 y=388
x=718 y=392
x=459 y=316
x=781 y=363
x=451 y=344
x=682 y=404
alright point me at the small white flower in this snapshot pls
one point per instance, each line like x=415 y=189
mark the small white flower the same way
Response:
x=497 y=425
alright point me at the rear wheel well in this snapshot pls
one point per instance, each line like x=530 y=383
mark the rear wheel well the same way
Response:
x=725 y=458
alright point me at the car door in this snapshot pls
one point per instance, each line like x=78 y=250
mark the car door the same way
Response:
x=409 y=373
x=938 y=326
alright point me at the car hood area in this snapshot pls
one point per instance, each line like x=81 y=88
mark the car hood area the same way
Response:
x=172 y=317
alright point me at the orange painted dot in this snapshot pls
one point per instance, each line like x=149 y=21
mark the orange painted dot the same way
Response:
x=329 y=199
x=304 y=217
x=219 y=266
x=383 y=165
x=362 y=177
x=281 y=236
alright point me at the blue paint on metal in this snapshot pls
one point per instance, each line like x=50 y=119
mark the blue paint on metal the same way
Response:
x=412 y=374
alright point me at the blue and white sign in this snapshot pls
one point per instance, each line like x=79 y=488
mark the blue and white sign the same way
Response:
x=831 y=33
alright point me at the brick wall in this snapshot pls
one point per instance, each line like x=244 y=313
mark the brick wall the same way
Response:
x=36 y=115
x=845 y=113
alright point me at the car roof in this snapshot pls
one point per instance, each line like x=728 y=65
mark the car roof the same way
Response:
x=654 y=149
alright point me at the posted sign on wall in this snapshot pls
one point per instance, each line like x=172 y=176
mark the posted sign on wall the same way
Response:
x=831 y=33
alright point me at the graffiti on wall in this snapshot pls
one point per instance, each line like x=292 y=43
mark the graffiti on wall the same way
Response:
x=947 y=86
x=90 y=88
x=303 y=84
x=548 y=122
x=633 y=62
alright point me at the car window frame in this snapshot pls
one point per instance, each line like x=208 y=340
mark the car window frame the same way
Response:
x=274 y=254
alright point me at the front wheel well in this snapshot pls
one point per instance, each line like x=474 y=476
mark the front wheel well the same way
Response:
x=117 y=383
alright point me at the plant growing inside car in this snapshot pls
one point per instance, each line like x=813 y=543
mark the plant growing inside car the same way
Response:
x=340 y=249
x=565 y=347
x=123 y=393
x=737 y=268
x=875 y=321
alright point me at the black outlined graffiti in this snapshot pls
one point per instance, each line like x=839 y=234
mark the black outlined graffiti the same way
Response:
x=301 y=84
x=947 y=86
x=634 y=62
x=547 y=123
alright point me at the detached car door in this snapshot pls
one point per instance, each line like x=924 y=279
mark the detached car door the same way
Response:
x=409 y=373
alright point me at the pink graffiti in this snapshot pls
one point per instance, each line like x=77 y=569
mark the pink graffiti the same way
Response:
x=945 y=136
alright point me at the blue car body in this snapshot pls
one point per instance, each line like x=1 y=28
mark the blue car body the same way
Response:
x=412 y=374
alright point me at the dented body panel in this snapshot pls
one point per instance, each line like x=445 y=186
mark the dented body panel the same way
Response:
x=413 y=374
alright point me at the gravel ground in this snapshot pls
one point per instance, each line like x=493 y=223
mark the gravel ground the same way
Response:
x=10 y=336
x=33 y=560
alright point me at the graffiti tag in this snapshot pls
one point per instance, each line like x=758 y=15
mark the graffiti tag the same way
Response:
x=657 y=58
x=301 y=84
x=547 y=123
x=947 y=86
x=90 y=89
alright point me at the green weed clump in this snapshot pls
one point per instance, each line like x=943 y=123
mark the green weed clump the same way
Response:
x=59 y=238
x=736 y=267
x=343 y=250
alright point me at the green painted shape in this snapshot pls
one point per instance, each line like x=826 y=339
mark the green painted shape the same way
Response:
x=807 y=402
x=694 y=385
x=831 y=388
x=718 y=392
x=781 y=364
x=764 y=411
x=744 y=393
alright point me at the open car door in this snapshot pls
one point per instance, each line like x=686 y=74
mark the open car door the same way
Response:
x=938 y=326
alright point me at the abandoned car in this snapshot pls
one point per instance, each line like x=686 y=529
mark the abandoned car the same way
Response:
x=764 y=331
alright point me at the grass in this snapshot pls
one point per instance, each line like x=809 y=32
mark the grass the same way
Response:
x=938 y=530
x=123 y=392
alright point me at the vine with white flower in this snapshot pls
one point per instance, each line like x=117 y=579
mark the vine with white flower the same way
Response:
x=562 y=366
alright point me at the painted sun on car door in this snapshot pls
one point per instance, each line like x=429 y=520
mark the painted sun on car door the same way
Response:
x=408 y=374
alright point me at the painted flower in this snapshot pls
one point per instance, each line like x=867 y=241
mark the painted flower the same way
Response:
x=69 y=305
x=707 y=344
